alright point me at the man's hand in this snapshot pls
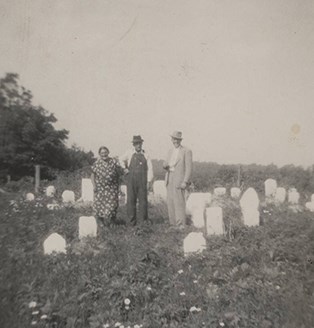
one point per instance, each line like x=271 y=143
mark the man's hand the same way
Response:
x=183 y=185
x=165 y=166
x=126 y=171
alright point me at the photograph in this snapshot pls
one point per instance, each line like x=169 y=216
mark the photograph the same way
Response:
x=157 y=163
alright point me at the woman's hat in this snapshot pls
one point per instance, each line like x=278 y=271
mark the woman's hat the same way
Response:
x=176 y=135
x=137 y=139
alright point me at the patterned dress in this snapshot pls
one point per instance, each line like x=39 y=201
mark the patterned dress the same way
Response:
x=107 y=174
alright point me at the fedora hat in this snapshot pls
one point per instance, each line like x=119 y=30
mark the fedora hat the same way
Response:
x=137 y=139
x=176 y=135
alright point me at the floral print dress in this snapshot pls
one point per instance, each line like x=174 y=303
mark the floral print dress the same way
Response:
x=107 y=174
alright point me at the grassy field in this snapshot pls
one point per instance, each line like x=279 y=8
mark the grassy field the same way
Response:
x=139 y=277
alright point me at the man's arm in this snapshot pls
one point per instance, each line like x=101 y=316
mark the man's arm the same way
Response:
x=188 y=166
x=150 y=173
x=124 y=160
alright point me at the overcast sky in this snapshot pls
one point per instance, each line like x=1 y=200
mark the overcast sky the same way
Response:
x=236 y=77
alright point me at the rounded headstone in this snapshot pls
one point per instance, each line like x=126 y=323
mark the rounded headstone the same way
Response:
x=54 y=243
x=293 y=196
x=68 y=196
x=87 y=226
x=87 y=190
x=220 y=191
x=280 y=195
x=194 y=242
x=235 y=192
x=270 y=188
x=50 y=191
x=214 y=221
x=249 y=203
x=30 y=197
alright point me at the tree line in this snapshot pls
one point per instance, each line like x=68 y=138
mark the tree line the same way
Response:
x=28 y=136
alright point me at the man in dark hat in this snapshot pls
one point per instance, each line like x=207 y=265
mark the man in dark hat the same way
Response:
x=139 y=170
x=178 y=166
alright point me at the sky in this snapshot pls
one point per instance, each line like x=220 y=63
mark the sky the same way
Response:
x=236 y=77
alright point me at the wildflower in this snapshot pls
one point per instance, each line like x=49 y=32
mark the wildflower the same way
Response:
x=136 y=326
x=33 y=323
x=277 y=287
x=117 y=324
x=221 y=324
x=149 y=288
x=44 y=317
x=180 y=271
x=106 y=325
x=127 y=301
x=35 y=312
x=195 y=281
x=127 y=307
x=182 y=294
x=195 y=309
x=121 y=326
x=32 y=304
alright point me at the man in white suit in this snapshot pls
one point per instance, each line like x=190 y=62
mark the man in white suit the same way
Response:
x=179 y=169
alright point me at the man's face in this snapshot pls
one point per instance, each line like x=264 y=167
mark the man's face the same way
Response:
x=176 y=142
x=138 y=146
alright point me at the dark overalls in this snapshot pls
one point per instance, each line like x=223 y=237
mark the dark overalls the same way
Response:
x=137 y=188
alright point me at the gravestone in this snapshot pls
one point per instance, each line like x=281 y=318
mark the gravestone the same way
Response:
x=214 y=221
x=235 y=193
x=249 y=203
x=87 y=190
x=197 y=200
x=310 y=206
x=194 y=242
x=220 y=191
x=159 y=189
x=50 y=191
x=270 y=188
x=198 y=218
x=30 y=197
x=68 y=196
x=87 y=226
x=54 y=243
x=280 y=195
x=293 y=196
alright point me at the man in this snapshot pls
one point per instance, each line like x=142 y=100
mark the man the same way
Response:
x=179 y=169
x=139 y=170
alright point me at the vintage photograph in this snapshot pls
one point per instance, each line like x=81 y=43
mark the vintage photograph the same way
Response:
x=157 y=163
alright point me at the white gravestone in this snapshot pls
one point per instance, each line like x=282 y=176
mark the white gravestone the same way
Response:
x=310 y=206
x=87 y=190
x=270 y=188
x=159 y=189
x=87 y=226
x=50 y=191
x=194 y=242
x=293 y=196
x=198 y=218
x=30 y=197
x=235 y=192
x=249 y=203
x=280 y=195
x=54 y=243
x=220 y=191
x=68 y=196
x=197 y=200
x=214 y=221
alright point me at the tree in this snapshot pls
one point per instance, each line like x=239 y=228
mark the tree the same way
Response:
x=27 y=134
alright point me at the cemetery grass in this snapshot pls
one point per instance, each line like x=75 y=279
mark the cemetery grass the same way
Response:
x=255 y=277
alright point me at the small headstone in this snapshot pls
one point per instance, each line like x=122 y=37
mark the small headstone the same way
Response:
x=30 y=197
x=198 y=218
x=280 y=195
x=249 y=205
x=197 y=200
x=214 y=221
x=310 y=206
x=220 y=191
x=87 y=190
x=194 y=242
x=293 y=196
x=87 y=226
x=270 y=188
x=50 y=191
x=235 y=192
x=54 y=243
x=68 y=196
x=159 y=189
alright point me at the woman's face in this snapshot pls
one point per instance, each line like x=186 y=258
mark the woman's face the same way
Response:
x=103 y=153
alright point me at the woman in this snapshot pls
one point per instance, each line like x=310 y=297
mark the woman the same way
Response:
x=105 y=177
